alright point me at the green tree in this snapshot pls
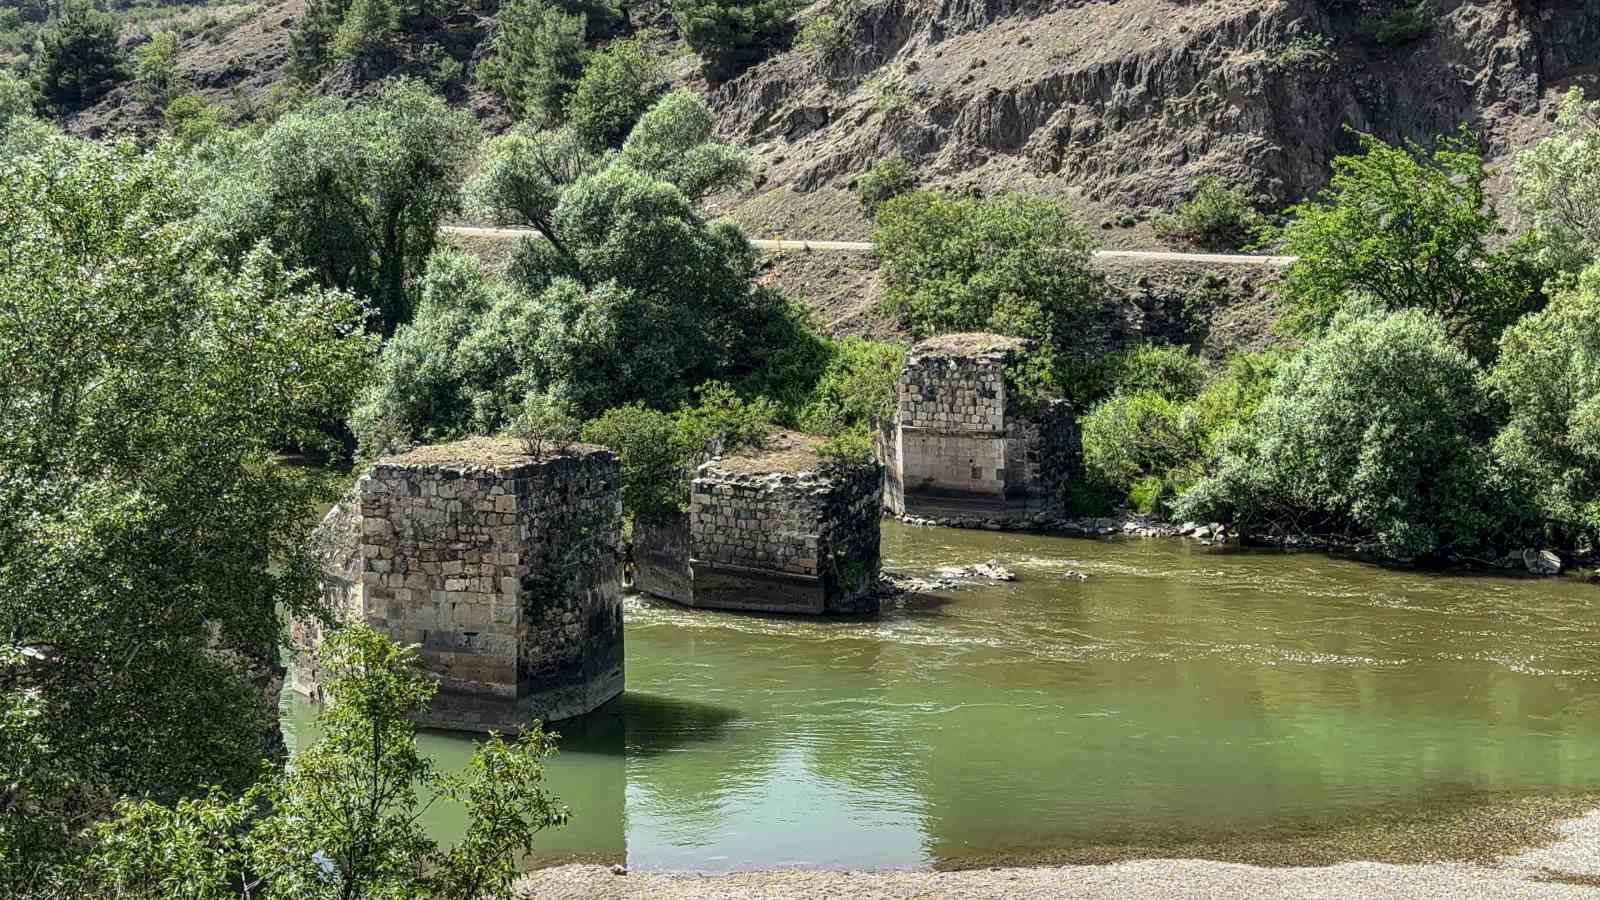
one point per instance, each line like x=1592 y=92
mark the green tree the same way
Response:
x=311 y=38
x=75 y=59
x=619 y=83
x=655 y=462
x=365 y=30
x=355 y=194
x=147 y=386
x=855 y=388
x=884 y=180
x=156 y=69
x=732 y=35
x=1217 y=217
x=1378 y=429
x=1558 y=186
x=16 y=99
x=1409 y=230
x=342 y=822
x=535 y=58
x=1548 y=375
x=1012 y=265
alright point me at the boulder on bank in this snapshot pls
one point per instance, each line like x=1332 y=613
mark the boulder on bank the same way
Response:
x=1541 y=562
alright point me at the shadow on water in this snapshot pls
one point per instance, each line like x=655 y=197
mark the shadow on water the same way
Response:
x=656 y=724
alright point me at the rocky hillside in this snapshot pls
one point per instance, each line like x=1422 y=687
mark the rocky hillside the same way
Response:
x=1120 y=106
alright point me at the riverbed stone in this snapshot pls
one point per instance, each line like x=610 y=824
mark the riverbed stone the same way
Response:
x=966 y=448
x=772 y=529
x=502 y=567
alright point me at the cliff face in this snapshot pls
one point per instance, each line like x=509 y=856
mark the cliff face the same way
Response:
x=1124 y=104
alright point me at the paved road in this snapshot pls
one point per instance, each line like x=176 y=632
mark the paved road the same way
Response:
x=1211 y=259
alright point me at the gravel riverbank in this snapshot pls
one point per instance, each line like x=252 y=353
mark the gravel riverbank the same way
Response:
x=1567 y=868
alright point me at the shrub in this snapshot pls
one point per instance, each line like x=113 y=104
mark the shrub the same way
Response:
x=856 y=387
x=850 y=450
x=354 y=193
x=545 y=425
x=311 y=38
x=1135 y=443
x=76 y=61
x=1548 y=375
x=619 y=84
x=1377 y=429
x=16 y=99
x=365 y=30
x=534 y=58
x=192 y=121
x=1218 y=217
x=825 y=36
x=1313 y=52
x=1406 y=24
x=655 y=462
x=1558 y=186
x=884 y=180
x=1406 y=229
x=156 y=69
x=1013 y=265
x=672 y=142
x=732 y=35
x=1171 y=373
x=722 y=421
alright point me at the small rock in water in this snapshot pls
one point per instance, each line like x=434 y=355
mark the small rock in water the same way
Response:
x=1541 y=562
x=984 y=571
x=1075 y=574
x=619 y=869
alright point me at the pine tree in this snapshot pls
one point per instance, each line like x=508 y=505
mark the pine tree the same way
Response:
x=75 y=60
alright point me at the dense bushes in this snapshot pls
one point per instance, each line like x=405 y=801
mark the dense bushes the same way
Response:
x=1407 y=229
x=732 y=35
x=1377 y=428
x=75 y=60
x=1548 y=376
x=1012 y=265
x=883 y=181
x=535 y=58
x=1218 y=217
x=355 y=193
x=1558 y=187
x=619 y=84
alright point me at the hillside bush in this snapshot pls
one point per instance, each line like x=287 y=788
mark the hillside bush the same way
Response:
x=1558 y=186
x=732 y=35
x=1141 y=445
x=17 y=99
x=1407 y=229
x=75 y=60
x=1548 y=376
x=883 y=181
x=1406 y=24
x=1376 y=430
x=1172 y=373
x=1012 y=265
x=619 y=84
x=855 y=388
x=311 y=38
x=1218 y=217
x=365 y=30
x=535 y=58
x=156 y=70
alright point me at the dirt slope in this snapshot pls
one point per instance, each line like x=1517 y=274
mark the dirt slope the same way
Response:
x=1122 y=105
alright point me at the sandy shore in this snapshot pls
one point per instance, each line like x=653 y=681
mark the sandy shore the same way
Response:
x=1567 y=868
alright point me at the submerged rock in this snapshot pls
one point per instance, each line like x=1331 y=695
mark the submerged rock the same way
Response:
x=984 y=571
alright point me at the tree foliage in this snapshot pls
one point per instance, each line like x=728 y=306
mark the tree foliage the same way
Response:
x=1408 y=229
x=75 y=59
x=619 y=84
x=146 y=385
x=1376 y=430
x=355 y=194
x=1012 y=265
x=342 y=822
x=155 y=70
x=1548 y=375
x=1217 y=217
x=732 y=35
x=535 y=58
x=1558 y=186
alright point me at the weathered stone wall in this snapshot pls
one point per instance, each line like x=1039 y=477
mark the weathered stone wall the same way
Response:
x=773 y=533
x=786 y=541
x=965 y=448
x=661 y=559
x=506 y=573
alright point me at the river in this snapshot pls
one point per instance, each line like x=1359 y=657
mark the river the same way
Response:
x=1179 y=695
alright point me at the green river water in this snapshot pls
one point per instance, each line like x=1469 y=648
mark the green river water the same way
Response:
x=1179 y=693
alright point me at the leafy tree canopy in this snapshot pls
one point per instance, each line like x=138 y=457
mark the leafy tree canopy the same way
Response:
x=1378 y=429
x=1558 y=186
x=1548 y=375
x=354 y=194
x=733 y=35
x=1407 y=229
x=145 y=387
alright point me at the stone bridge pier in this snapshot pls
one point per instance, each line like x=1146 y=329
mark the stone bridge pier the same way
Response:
x=504 y=568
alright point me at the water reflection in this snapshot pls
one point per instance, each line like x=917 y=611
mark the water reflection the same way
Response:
x=1179 y=690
